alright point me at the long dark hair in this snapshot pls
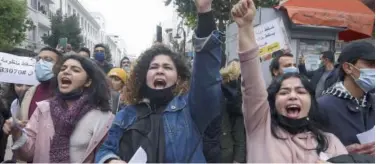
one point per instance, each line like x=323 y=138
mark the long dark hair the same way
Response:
x=98 y=91
x=315 y=123
x=137 y=76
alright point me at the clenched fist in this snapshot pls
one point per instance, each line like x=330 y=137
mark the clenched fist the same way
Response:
x=203 y=6
x=243 y=13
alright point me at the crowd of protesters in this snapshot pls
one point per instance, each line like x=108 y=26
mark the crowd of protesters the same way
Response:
x=86 y=110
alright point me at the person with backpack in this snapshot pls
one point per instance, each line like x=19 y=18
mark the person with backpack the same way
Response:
x=166 y=114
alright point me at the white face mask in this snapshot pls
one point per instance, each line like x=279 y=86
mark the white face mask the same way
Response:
x=291 y=69
x=366 y=80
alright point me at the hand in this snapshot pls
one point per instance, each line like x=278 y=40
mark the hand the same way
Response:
x=203 y=6
x=243 y=13
x=301 y=59
x=362 y=148
x=60 y=49
x=9 y=128
x=117 y=161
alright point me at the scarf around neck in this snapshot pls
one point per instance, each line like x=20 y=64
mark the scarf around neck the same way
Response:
x=339 y=90
x=64 y=121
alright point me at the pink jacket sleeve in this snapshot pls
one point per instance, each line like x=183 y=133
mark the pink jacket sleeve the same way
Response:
x=339 y=148
x=25 y=145
x=255 y=104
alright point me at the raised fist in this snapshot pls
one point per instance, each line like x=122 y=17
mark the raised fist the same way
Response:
x=243 y=13
x=203 y=6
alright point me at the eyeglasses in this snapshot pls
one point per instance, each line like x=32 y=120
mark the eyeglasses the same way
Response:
x=48 y=59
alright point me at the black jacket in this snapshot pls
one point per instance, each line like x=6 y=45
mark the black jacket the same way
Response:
x=224 y=139
x=314 y=76
x=106 y=67
x=233 y=147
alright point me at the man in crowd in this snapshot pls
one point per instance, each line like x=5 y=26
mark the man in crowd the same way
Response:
x=100 y=57
x=348 y=105
x=85 y=52
x=125 y=63
x=282 y=62
x=319 y=76
x=46 y=60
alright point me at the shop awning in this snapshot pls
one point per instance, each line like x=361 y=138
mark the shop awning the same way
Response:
x=353 y=15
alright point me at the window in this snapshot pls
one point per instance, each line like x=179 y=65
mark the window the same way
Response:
x=82 y=22
x=69 y=10
x=78 y=19
x=34 y=4
x=74 y=12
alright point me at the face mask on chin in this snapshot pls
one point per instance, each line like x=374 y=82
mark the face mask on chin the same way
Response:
x=293 y=126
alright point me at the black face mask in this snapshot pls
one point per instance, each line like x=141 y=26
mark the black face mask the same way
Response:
x=158 y=97
x=293 y=126
x=74 y=95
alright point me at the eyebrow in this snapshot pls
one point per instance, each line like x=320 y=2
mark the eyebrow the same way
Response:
x=297 y=87
x=73 y=67
x=76 y=67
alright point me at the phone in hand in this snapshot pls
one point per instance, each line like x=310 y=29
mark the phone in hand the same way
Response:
x=63 y=43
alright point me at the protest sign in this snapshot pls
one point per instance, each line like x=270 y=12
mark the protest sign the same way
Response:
x=17 y=69
x=270 y=37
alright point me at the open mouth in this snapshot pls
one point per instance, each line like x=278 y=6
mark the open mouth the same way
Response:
x=293 y=111
x=159 y=84
x=65 y=82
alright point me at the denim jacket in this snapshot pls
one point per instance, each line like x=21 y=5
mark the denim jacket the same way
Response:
x=186 y=116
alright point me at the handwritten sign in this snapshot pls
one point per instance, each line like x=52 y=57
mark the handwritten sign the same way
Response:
x=270 y=37
x=312 y=62
x=16 y=69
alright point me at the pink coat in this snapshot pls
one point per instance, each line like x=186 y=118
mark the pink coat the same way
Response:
x=40 y=130
x=262 y=146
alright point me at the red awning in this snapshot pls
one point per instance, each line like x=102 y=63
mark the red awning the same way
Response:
x=353 y=15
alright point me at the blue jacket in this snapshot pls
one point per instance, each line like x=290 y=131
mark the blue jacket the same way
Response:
x=345 y=116
x=187 y=116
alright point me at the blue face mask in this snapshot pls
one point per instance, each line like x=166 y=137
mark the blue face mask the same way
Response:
x=43 y=70
x=99 y=56
x=291 y=69
x=366 y=80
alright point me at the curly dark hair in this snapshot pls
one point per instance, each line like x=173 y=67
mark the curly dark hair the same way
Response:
x=316 y=123
x=137 y=77
x=98 y=92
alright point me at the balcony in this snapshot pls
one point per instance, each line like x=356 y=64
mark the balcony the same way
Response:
x=44 y=20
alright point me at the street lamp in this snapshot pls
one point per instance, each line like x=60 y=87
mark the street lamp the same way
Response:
x=177 y=36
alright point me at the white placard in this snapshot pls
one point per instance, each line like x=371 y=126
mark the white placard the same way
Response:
x=139 y=157
x=17 y=69
x=312 y=62
x=367 y=137
x=270 y=37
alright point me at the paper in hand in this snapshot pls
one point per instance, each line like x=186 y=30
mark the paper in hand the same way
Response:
x=367 y=136
x=15 y=121
x=139 y=157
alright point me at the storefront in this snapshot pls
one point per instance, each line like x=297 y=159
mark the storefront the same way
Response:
x=310 y=28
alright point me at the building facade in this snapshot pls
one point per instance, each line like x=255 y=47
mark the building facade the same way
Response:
x=90 y=28
x=39 y=11
x=92 y=24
